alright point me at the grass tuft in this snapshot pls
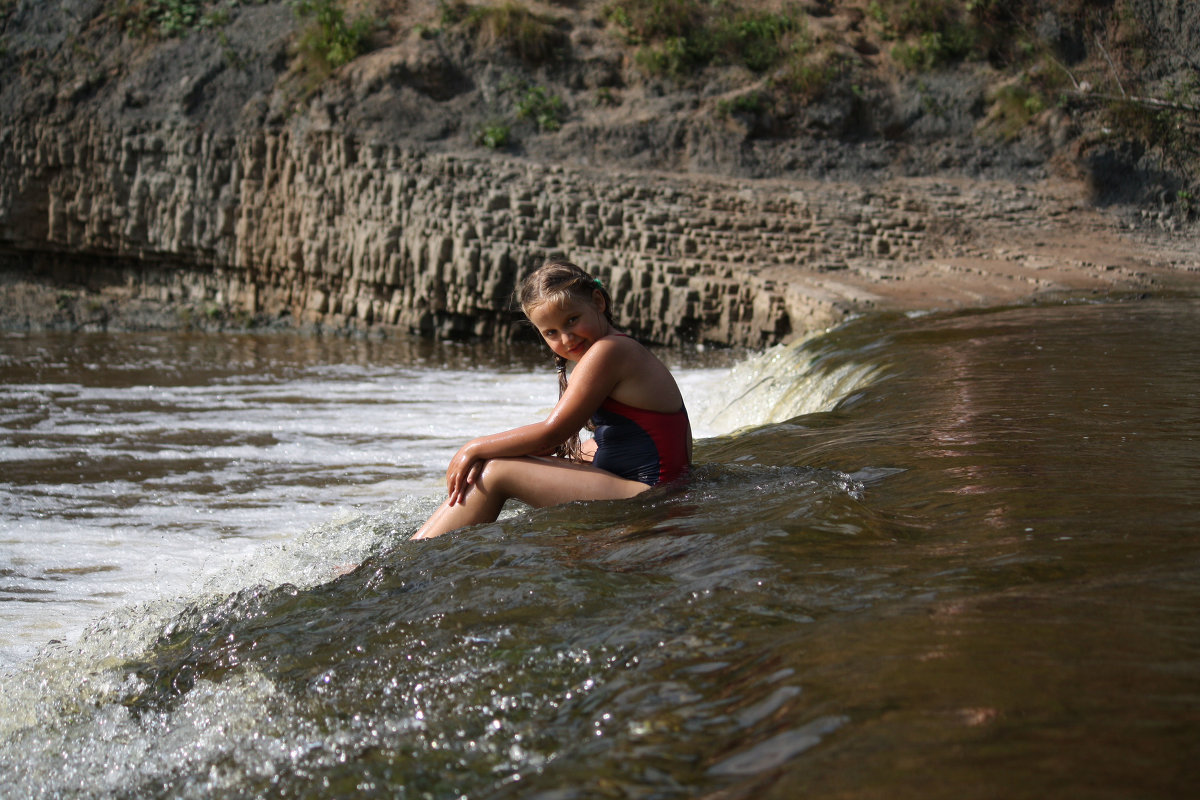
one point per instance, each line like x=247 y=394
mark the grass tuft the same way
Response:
x=533 y=38
x=677 y=37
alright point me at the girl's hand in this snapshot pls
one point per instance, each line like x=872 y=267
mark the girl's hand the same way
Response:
x=463 y=470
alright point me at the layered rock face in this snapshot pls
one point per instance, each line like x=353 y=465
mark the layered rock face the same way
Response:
x=153 y=182
x=321 y=229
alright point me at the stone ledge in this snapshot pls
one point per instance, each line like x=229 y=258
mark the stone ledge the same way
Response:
x=324 y=230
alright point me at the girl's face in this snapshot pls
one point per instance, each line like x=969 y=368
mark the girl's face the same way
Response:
x=570 y=328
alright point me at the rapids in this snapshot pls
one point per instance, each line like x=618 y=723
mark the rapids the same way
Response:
x=944 y=555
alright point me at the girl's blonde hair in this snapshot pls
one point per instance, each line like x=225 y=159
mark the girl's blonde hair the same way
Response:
x=558 y=282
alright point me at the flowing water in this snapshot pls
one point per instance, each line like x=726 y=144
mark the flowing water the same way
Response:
x=952 y=555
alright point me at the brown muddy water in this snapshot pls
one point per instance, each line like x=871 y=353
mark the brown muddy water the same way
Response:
x=952 y=555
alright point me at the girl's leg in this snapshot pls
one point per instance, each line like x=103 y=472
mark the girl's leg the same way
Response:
x=536 y=481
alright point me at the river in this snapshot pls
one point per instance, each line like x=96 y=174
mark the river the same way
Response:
x=941 y=555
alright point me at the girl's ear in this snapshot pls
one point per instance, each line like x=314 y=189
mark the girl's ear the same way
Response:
x=598 y=300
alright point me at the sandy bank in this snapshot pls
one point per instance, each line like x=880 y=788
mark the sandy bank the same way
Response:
x=1060 y=246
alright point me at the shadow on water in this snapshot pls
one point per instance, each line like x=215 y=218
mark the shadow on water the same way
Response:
x=976 y=577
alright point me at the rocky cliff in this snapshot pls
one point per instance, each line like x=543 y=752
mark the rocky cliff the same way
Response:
x=210 y=178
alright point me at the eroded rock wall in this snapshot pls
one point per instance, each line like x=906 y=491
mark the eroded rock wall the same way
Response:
x=319 y=228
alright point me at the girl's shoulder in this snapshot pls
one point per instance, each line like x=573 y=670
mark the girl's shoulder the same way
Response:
x=643 y=381
x=621 y=354
x=619 y=338
x=621 y=344
x=622 y=339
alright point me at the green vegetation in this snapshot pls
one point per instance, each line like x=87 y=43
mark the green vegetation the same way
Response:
x=533 y=38
x=494 y=136
x=1040 y=85
x=1013 y=106
x=1107 y=71
x=547 y=111
x=758 y=40
x=668 y=57
x=677 y=37
x=607 y=97
x=932 y=33
x=164 y=18
x=530 y=104
x=807 y=78
x=1098 y=63
x=1187 y=203
x=1159 y=115
x=749 y=103
x=1172 y=128
x=171 y=18
x=328 y=40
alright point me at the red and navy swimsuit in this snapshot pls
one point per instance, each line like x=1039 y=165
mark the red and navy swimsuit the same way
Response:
x=640 y=445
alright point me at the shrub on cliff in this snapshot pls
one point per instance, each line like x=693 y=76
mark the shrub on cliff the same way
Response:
x=495 y=135
x=547 y=111
x=169 y=18
x=676 y=37
x=532 y=104
x=328 y=40
x=936 y=33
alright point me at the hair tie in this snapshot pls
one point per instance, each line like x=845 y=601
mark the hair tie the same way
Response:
x=561 y=368
x=599 y=283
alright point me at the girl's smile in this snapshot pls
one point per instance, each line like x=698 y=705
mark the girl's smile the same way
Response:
x=570 y=328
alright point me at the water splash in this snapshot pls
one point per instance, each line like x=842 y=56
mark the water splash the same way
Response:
x=786 y=381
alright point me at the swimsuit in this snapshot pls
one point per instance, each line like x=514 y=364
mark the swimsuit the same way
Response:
x=641 y=445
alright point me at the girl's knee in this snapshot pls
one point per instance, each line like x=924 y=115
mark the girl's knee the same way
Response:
x=497 y=477
x=491 y=475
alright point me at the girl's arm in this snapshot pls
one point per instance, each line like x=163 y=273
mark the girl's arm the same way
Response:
x=592 y=380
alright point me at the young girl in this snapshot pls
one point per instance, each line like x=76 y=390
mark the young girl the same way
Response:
x=642 y=433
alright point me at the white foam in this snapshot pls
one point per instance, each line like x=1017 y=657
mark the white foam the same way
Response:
x=183 y=483
x=783 y=382
x=157 y=485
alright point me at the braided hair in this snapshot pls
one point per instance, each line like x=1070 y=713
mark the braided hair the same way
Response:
x=558 y=282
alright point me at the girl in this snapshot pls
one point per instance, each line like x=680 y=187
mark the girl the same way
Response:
x=643 y=436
